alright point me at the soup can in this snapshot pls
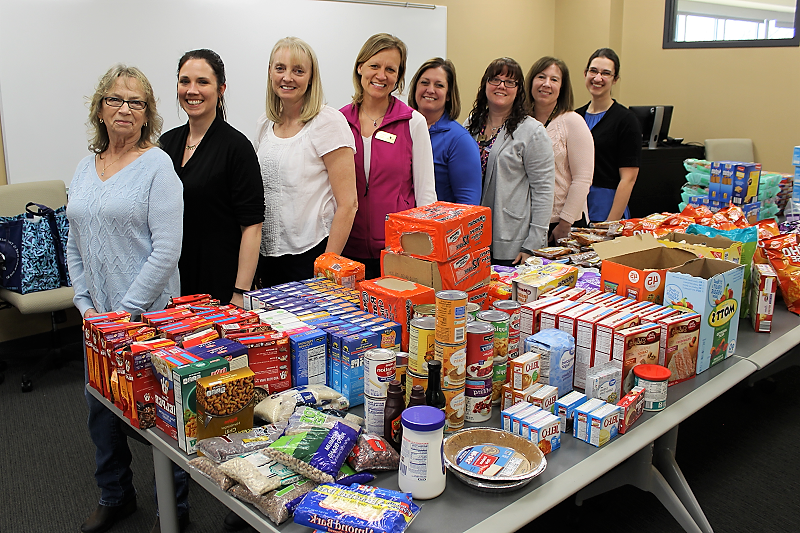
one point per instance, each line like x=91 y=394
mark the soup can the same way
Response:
x=499 y=321
x=412 y=378
x=514 y=347
x=451 y=317
x=480 y=350
x=454 y=407
x=421 y=335
x=421 y=310
x=400 y=369
x=512 y=309
x=454 y=363
x=379 y=370
x=478 y=400
x=498 y=380
x=373 y=414
x=473 y=309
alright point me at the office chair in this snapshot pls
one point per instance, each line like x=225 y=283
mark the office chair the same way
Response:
x=729 y=150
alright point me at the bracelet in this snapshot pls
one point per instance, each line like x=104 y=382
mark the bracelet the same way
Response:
x=237 y=290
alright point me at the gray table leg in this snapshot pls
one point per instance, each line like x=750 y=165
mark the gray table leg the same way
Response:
x=664 y=461
x=165 y=483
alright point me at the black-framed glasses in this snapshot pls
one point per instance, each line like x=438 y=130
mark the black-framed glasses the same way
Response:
x=603 y=73
x=497 y=81
x=136 y=105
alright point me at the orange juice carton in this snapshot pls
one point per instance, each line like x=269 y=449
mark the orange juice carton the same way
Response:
x=524 y=370
x=636 y=266
x=718 y=247
x=338 y=269
x=585 y=340
x=637 y=345
x=603 y=424
x=604 y=336
x=534 y=284
x=545 y=433
x=395 y=298
x=603 y=383
x=764 y=283
x=680 y=336
x=508 y=412
x=568 y=319
x=530 y=314
x=712 y=288
x=580 y=415
x=632 y=406
x=465 y=272
x=545 y=397
x=548 y=319
x=558 y=358
x=440 y=231
x=565 y=407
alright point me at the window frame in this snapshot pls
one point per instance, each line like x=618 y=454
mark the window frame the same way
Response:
x=669 y=42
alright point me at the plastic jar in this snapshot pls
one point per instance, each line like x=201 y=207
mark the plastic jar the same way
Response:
x=654 y=379
x=422 y=470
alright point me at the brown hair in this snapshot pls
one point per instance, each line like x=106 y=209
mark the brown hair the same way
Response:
x=453 y=104
x=565 y=101
x=480 y=109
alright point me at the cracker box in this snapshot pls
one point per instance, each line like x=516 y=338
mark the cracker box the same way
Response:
x=534 y=284
x=565 y=407
x=604 y=383
x=558 y=358
x=338 y=269
x=523 y=371
x=395 y=298
x=309 y=357
x=225 y=403
x=746 y=178
x=703 y=246
x=764 y=283
x=712 y=288
x=544 y=397
x=680 y=335
x=466 y=272
x=184 y=379
x=440 y=231
x=545 y=433
x=632 y=407
x=637 y=345
x=507 y=414
x=585 y=339
x=530 y=314
x=580 y=415
x=637 y=266
x=548 y=319
x=603 y=424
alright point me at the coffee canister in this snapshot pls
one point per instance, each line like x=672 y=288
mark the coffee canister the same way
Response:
x=451 y=317
x=421 y=337
x=379 y=370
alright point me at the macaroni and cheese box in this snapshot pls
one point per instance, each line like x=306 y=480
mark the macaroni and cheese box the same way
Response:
x=395 y=298
x=680 y=335
x=764 y=281
x=534 y=284
x=585 y=339
x=746 y=178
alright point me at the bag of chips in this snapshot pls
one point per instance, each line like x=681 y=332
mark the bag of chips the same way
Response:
x=783 y=253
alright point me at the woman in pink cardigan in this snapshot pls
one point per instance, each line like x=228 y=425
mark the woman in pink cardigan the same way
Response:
x=549 y=91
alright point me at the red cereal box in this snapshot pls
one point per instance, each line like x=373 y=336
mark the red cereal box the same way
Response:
x=395 y=298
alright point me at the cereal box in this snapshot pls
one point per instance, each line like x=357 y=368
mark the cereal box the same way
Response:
x=395 y=298
x=338 y=269
x=352 y=364
x=632 y=406
x=712 y=288
x=637 y=345
x=603 y=424
x=580 y=415
x=184 y=379
x=565 y=407
x=225 y=403
x=545 y=433
x=680 y=335
x=524 y=370
x=530 y=314
x=440 y=231
x=604 y=383
x=534 y=284
x=558 y=358
x=764 y=282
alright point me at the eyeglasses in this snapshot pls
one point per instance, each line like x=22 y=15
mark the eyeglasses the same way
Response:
x=606 y=74
x=136 y=105
x=497 y=81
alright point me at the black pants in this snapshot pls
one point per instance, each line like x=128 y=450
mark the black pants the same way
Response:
x=285 y=268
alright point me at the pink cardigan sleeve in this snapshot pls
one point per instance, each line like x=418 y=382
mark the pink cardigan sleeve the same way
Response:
x=580 y=153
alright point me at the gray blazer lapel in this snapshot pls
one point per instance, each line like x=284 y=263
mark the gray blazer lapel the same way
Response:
x=491 y=168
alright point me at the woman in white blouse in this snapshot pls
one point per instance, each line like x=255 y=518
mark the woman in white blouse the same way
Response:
x=305 y=150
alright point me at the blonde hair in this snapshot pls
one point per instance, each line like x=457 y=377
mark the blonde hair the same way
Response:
x=313 y=98
x=151 y=130
x=375 y=45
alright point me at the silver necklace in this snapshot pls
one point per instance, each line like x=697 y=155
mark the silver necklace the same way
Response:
x=103 y=173
x=374 y=120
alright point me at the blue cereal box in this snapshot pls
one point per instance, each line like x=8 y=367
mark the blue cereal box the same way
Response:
x=309 y=360
x=557 y=363
x=352 y=364
x=712 y=288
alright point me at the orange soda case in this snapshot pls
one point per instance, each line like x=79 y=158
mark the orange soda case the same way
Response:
x=395 y=298
x=338 y=269
x=440 y=231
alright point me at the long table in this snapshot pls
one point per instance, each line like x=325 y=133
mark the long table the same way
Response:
x=644 y=456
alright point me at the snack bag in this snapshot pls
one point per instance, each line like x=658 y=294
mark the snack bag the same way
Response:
x=783 y=253
x=338 y=269
x=735 y=216
x=767 y=229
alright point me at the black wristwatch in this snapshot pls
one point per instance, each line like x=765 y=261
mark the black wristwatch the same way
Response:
x=237 y=290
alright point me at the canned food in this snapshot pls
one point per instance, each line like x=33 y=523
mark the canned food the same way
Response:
x=379 y=370
x=421 y=334
x=480 y=350
x=421 y=310
x=478 y=400
x=451 y=317
x=513 y=347
x=470 y=319
x=454 y=363
x=512 y=309
x=454 y=407
x=473 y=309
x=412 y=378
x=498 y=380
x=400 y=369
x=373 y=414
x=499 y=321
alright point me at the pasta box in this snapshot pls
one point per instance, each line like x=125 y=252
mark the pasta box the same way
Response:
x=395 y=298
x=636 y=266
x=712 y=288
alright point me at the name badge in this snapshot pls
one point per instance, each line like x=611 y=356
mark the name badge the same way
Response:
x=385 y=136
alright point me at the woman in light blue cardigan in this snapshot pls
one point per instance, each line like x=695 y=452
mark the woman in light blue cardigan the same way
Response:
x=517 y=164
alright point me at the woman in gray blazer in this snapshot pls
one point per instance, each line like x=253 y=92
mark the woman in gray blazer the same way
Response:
x=516 y=161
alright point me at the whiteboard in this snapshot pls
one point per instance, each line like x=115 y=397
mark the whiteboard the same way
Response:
x=52 y=53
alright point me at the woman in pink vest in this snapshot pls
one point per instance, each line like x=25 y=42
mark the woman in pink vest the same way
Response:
x=394 y=160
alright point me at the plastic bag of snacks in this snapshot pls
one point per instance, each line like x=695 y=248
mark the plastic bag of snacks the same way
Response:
x=220 y=449
x=380 y=511
x=280 y=406
x=783 y=253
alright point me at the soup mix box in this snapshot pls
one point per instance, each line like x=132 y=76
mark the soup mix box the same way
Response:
x=764 y=284
x=713 y=289
x=557 y=363
x=680 y=336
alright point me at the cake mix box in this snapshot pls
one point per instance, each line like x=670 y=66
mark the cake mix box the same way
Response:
x=530 y=314
x=557 y=363
x=632 y=407
x=637 y=345
x=338 y=269
x=585 y=340
x=568 y=318
x=680 y=336
x=548 y=318
x=440 y=231
x=183 y=379
x=764 y=283
x=712 y=288
x=395 y=298
x=604 y=337
x=534 y=284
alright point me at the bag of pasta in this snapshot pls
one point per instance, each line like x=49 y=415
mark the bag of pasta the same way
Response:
x=783 y=253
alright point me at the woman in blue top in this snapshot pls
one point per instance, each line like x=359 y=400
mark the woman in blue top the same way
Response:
x=456 y=160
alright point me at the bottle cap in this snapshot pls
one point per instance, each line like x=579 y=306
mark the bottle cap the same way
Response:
x=423 y=418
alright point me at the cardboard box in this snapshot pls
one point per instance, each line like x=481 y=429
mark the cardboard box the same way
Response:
x=548 y=319
x=464 y=273
x=703 y=246
x=764 y=284
x=225 y=403
x=680 y=336
x=184 y=379
x=534 y=284
x=632 y=407
x=637 y=266
x=395 y=298
x=712 y=288
x=440 y=231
